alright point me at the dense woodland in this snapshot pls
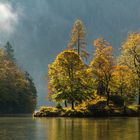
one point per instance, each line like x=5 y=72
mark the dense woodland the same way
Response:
x=73 y=80
x=17 y=91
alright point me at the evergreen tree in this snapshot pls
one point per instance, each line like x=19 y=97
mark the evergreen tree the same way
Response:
x=31 y=87
x=17 y=90
x=9 y=52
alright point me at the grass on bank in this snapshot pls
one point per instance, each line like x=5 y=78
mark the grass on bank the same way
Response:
x=94 y=108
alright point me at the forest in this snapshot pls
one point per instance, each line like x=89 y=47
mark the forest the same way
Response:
x=101 y=82
x=77 y=82
x=17 y=90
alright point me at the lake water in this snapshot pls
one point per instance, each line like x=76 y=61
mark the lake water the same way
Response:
x=27 y=128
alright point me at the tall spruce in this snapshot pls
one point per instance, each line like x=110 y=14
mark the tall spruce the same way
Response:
x=9 y=52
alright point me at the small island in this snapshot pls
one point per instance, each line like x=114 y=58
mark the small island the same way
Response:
x=101 y=86
x=94 y=108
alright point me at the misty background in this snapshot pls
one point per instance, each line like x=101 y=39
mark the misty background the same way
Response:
x=39 y=29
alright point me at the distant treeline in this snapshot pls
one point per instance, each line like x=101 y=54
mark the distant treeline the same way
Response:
x=72 y=81
x=17 y=91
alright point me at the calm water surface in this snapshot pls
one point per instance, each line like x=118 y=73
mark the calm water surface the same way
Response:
x=27 y=128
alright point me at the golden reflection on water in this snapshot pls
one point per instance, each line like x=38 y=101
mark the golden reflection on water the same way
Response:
x=27 y=128
x=89 y=129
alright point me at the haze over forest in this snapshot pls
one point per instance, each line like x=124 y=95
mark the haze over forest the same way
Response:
x=39 y=29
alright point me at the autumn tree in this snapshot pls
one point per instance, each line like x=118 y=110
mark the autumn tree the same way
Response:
x=130 y=56
x=120 y=78
x=124 y=83
x=68 y=78
x=16 y=92
x=102 y=66
x=78 y=41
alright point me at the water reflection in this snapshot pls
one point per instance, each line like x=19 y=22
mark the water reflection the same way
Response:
x=13 y=128
x=88 y=129
x=26 y=128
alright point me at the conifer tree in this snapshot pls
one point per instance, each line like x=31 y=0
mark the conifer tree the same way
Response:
x=78 y=39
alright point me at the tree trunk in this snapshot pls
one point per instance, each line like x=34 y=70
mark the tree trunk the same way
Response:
x=72 y=105
x=108 y=96
x=66 y=103
x=139 y=93
x=78 y=45
x=124 y=107
x=139 y=97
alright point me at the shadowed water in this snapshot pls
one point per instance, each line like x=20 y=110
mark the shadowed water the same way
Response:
x=27 y=128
